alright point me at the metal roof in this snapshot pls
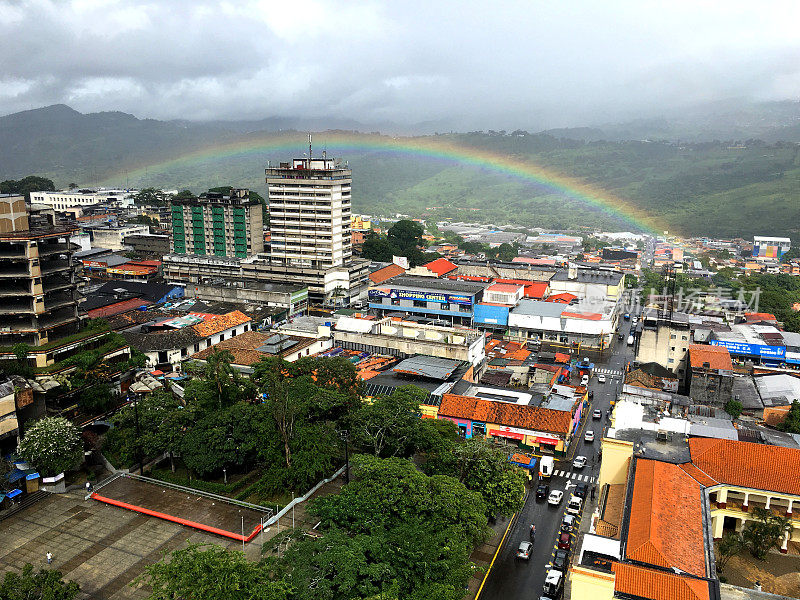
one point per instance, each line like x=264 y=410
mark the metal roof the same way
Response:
x=438 y=285
x=427 y=366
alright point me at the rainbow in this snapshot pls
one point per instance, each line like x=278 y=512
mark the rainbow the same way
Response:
x=430 y=147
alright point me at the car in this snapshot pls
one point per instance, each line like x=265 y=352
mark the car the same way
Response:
x=581 y=489
x=621 y=336
x=542 y=491
x=601 y=378
x=567 y=523
x=585 y=380
x=574 y=505
x=579 y=462
x=627 y=317
x=591 y=394
x=588 y=436
x=564 y=540
x=555 y=497
x=561 y=560
x=524 y=550
x=597 y=415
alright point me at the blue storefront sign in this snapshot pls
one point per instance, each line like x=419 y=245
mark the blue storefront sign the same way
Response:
x=423 y=296
x=745 y=349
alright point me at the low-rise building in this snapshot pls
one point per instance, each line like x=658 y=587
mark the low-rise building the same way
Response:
x=710 y=375
x=291 y=297
x=565 y=326
x=112 y=237
x=252 y=346
x=148 y=244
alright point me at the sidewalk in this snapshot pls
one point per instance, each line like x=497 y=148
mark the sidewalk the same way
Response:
x=589 y=506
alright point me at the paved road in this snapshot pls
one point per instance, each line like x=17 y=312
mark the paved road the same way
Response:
x=512 y=578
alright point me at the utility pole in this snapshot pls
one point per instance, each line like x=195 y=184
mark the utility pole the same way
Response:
x=345 y=435
x=138 y=433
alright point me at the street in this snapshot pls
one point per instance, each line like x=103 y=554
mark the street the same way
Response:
x=512 y=578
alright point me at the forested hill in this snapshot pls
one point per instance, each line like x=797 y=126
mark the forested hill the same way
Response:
x=722 y=188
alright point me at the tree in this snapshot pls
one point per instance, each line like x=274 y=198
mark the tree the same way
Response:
x=405 y=235
x=211 y=573
x=729 y=546
x=26 y=185
x=221 y=385
x=96 y=398
x=485 y=469
x=73 y=186
x=734 y=408
x=377 y=247
x=765 y=532
x=45 y=585
x=390 y=425
x=150 y=197
x=791 y=423
x=505 y=252
x=52 y=445
x=423 y=527
x=184 y=195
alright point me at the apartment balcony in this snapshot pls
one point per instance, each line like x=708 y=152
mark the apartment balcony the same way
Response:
x=13 y=270
x=50 y=321
x=10 y=289
x=59 y=300
x=56 y=282
x=57 y=248
x=53 y=266
x=19 y=307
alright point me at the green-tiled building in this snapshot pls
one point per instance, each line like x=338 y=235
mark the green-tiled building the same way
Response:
x=218 y=225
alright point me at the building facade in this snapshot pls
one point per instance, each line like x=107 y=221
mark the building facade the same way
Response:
x=217 y=224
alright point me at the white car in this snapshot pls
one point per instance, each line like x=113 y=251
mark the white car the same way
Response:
x=579 y=462
x=524 y=551
x=555 y=497
x=588 y=436
x=601 y=378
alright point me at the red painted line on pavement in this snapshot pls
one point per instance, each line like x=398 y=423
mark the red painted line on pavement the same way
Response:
x=146 y=511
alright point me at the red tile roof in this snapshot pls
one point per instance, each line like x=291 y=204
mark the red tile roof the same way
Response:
x=221 y=323
x=756 y=317
x=717 y=357
x=666 y=518
x=746 y=464
x=386 y=273
x=641 y=582
x=441 y=266
x=563 y=298
x=504 y=413
x=117 y=308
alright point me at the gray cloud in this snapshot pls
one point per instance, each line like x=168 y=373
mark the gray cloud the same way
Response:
x=479 y=64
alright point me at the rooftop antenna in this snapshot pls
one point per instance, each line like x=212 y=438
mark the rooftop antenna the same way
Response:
x=309 y=149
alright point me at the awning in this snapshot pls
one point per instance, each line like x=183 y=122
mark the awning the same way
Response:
x=14 y=493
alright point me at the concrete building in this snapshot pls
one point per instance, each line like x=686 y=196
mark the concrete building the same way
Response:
x=38 y=275
x=146 y=244
x=65 y=199
x=428 y=297
x=563 y=325
x=191 y=268
x=219 y=225
x=291 y=297
x=770 y=248
x=710 y=375
x=113 y=238
x=600 y=284
x=665 y=340
x=406 y=338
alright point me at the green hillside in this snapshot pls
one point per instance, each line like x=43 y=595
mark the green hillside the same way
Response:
x=709 y=188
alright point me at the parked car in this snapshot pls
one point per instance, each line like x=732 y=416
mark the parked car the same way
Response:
x=524 y=551
x=581 y=490
x=568 y=523
x=621 y=337
x=564 y=540
x=553 y=584
x=542 y=491
x=579 y=462
x=601 y=378
x=588 y=436
x=574 y=505
x=585 y=380
x=561 y=560
x=555 y=497
x=597 y=415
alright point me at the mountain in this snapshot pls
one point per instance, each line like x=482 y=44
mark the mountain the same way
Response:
x=704 y=187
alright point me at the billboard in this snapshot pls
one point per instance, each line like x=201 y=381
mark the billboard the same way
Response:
x=743 y=348
x=381 y=293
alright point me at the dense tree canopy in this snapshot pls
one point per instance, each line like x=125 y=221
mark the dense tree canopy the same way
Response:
x=45 y=585
x=52 y=445
x=26 y=185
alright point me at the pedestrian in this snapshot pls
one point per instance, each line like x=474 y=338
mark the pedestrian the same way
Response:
x=593 y=492
x=49 y=557
x=88 y=487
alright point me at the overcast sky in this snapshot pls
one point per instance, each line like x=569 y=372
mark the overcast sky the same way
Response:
x=484 y=64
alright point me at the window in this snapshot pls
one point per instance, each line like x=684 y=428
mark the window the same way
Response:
x=683 y=337
x=672 y=337
x=670 y=360
x=445 y=306
x=420 y=304
x=672 y=349
x=395 y=301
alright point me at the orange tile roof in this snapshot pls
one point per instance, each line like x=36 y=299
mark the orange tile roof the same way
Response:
x=508 y=288
x=641 y=582
x=386 y=273
x=504 y=413
x=221 y=323
x=244 y=347
x=746 y=464
x=756 y=317
x=699 y=476
x=564 y=297
x=441 y=266
x=666 y=518
x=718 y=357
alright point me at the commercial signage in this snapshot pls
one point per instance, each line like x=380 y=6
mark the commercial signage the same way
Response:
x=423 y=296
x=507 y=432
x=774 y=352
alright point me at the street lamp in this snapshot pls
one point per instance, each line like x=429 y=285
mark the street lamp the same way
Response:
x=225 y=475
x=345 y=436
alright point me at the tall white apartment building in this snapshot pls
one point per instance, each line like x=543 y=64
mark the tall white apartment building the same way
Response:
x=65 y=199
x=310 y=237
x=309 y=212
